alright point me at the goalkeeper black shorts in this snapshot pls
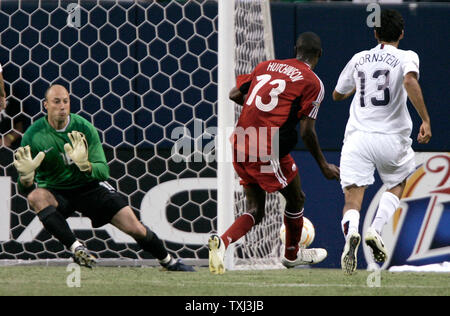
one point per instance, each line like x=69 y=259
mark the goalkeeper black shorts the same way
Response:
x=97 y=201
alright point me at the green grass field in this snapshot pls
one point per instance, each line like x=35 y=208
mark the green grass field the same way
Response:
x=155 y=282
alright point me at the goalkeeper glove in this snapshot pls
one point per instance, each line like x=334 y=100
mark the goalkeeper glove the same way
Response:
x=26 y=165
x=78 y=151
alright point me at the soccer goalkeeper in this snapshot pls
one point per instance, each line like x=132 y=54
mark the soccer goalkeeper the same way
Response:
x=63 y=154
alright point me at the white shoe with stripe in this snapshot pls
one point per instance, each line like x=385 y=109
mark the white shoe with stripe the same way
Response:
x=306 y=257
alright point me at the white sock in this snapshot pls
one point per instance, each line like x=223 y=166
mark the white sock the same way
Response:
x=167 y=260
x=386 y=208
x=350 y=222
x=75 y=245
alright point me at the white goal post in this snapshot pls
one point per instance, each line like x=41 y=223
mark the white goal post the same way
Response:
x=245 y=39
x=226 y=121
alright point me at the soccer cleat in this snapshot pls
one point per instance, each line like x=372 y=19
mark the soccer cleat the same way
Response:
x=374 y=241
x=306 y=257
x=179 y=266
x=349 y=260
x=83 y=257
x=216 y=254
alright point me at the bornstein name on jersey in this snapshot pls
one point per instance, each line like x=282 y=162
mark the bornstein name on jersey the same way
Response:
x=293 y=73
x=387 y=58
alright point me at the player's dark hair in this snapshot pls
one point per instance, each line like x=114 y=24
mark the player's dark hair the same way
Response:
x=308 y=46
x=392 y=25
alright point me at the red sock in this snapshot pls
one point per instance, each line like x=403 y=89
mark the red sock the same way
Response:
x=294 y=225
x=240 y=227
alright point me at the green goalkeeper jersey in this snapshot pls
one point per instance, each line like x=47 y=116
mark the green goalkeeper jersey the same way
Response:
x=57 y=170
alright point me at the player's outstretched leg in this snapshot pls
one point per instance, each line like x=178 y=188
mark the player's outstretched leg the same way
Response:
x=216 y=254
x=374 y=241
x=126 y=221
x=349 y=260
x=152 y=244
x=306 y=257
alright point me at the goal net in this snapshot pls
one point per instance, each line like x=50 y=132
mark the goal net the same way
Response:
x=145 y=73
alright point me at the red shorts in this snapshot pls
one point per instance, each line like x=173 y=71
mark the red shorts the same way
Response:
x=271 y=176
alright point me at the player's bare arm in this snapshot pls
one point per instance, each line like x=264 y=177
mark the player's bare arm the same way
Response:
x=237 y=96
x=414 y=91
x=309 y=137
x=339 y=97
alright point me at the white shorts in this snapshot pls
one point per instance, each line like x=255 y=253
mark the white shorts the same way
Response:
x=362 y=153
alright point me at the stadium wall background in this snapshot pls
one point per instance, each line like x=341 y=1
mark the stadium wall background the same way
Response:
x=141 y=149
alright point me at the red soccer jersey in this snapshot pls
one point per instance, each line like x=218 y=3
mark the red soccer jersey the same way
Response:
x=279 y=93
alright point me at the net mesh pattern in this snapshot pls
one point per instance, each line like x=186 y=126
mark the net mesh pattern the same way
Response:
x=139 y=71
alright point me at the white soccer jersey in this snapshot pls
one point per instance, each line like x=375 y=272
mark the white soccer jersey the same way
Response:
x=379 y=103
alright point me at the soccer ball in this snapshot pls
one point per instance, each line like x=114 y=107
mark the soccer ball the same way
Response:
x=308 y=234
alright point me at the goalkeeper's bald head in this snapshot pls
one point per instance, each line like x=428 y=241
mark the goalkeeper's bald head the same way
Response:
x=57 y=104
x=55 y=89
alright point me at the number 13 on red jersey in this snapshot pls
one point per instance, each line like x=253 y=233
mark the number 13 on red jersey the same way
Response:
x=279 y=85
